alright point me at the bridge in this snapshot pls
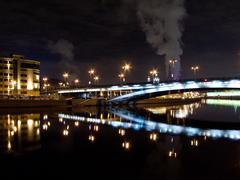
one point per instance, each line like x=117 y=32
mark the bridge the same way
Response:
x=134 y=92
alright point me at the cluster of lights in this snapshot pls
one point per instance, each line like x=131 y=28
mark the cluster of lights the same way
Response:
x=121 y=132
x=91 y=138
x=65 y=132
x=76 y=123
x=126 y=145
x=66 y=83
x=153 y=76
x=93 y=76
x=45 y=83
x=153 y=136
x=122 y=75
x=14 y=126
x=96 y=128
x=194 y=142
x=172 y=153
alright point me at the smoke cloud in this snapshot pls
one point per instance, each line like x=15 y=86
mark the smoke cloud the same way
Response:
x=161 y=20
x=65 y=49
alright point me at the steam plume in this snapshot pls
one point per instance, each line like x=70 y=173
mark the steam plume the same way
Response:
x=161 y=20
x=65 y=50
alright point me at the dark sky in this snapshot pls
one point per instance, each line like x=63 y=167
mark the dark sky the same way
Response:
x=106 y=33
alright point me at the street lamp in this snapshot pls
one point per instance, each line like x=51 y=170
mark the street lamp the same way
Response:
x=122 y=77
x=96 y=78
x=45 y=80
x=65 y=76
x=126 y=68
x=91 y=72
x=76 y=81
x=171 y=67
x=154 y=75
x=195 y=69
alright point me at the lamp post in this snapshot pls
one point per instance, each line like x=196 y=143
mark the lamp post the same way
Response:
x=154 y=76
x=195 y=69
x=171 y=68
x=91 y=72
x=122 y=77
x=76 y=82
x=96 y=79
x=66 y=76
x=126 y=68
x=45 y=79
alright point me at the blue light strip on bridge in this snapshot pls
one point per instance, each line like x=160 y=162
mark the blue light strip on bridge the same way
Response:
x=190 y=85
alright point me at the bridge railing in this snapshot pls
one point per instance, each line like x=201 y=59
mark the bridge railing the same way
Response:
x=55 y=88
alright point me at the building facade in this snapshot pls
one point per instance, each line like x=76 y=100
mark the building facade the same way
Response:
x=19 y=76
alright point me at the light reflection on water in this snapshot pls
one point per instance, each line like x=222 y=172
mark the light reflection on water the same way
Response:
x=122 y=132
x=19 y=130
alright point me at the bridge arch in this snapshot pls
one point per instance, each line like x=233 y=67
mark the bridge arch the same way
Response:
x=163 y=89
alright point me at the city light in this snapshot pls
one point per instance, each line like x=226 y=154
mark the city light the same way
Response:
x=172 y=153
x=126 y=145
x=45 y=79
x=121 y=132
x=76 y=123
x=65 y=132
x=96 y=78
x=194 y=142
x=96 y=128
x=65 y=75
x=126 y=67
x=91 y=138
x=122 y=77
x=195 y=69
x=171 y=68
x=153 y=72
x=153 y=76
x=91 y=71
x=153 y=136
x=76 y=81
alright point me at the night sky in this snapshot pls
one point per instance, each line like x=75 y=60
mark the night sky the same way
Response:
x=106 y=33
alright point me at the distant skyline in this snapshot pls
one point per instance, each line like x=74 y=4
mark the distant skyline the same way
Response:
x=75 y=35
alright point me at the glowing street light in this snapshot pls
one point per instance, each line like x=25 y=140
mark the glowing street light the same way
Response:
x=153 y=72
x=96 y=79
x=171 y=67
x=76 y=81
x=91 y=72
x=45 y=83
x=65 y=76
x=45 y=79
x=126 y=67
x=195 y=69
x=154 y=76
x=122 y=77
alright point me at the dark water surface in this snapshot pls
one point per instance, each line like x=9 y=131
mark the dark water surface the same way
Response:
x=123 y=143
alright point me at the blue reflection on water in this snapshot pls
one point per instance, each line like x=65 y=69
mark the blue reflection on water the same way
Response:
x=138 y=123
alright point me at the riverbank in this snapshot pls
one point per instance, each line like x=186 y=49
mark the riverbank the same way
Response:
x=51 y=104
x=5 y=103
